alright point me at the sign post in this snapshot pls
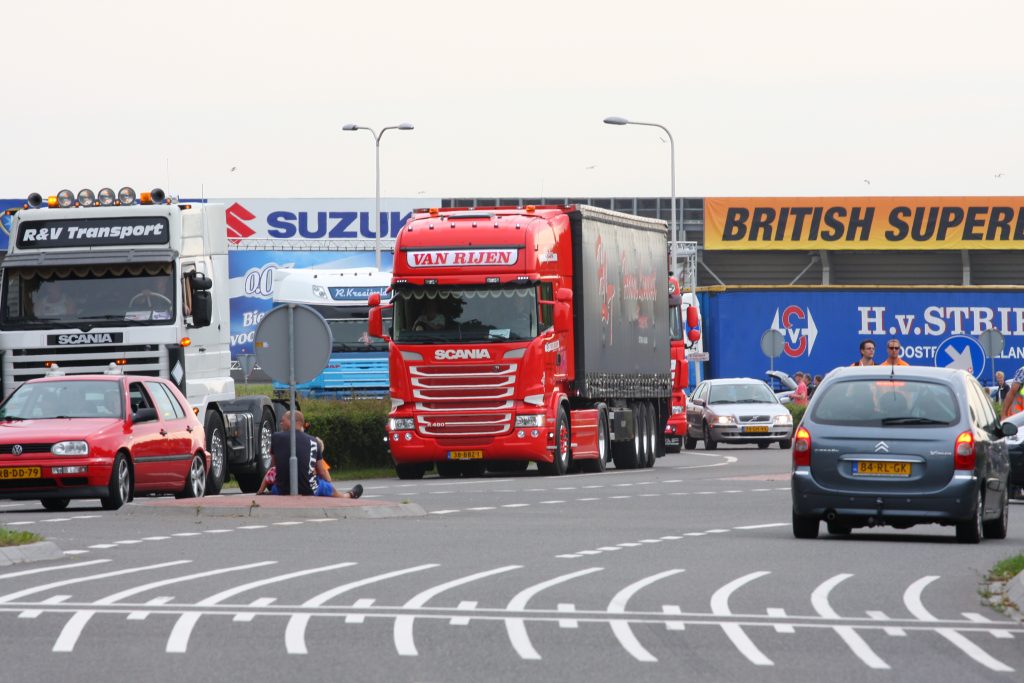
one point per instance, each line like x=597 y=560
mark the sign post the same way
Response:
x=293 y=344
x=992 y=342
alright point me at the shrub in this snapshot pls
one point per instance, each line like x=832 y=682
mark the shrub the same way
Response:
x=797 y=412
x=353 y=431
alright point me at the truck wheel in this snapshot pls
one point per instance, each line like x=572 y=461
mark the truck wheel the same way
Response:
x=409 y=471
x=600 y=463
x=120 y=486
x=560 y=463
x=195 y=482
x=250 y=482
x=653 y=438
x=627 y=454
x=642 y=435
x=217 y=448
x=709 y=443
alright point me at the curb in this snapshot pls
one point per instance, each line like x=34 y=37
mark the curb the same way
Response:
x=31 y=552
x=1015 y=593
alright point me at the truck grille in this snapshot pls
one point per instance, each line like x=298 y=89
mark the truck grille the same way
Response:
x=21 y=365
x=464 y=400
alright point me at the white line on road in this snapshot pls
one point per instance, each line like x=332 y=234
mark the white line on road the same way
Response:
x=11 y=597
x=621 y=629
x=739 y=638
x=760 y=526
x=819 y=600
x=516 y=627
x=73 y=565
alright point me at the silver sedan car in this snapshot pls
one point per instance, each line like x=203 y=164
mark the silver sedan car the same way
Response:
x=741 y=410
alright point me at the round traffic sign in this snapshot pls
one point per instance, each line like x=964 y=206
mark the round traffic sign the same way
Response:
x=772 y=343
x=307 y=339
x=961 y=353
x=992 y=342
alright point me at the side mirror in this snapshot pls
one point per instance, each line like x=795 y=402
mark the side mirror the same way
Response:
x=375 y=321
x=144 y=415
x=374 y=300
x=1008 y=429
x=563 y=318
x=199 y=281
x=202 y=308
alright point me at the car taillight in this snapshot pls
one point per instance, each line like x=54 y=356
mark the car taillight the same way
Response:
x=802 y=448
x=963 y=452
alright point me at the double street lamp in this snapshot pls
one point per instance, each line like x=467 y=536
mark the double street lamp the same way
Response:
x=619 y=121
x=376 y=138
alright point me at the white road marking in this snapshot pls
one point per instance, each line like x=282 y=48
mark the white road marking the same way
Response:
x=404 y=642
x=674 y=625
x=979 y=619
x=178 y=640
x=186 y=534
x=127 y=542
x=56 y=519
x=245 y=617
x=912 y=599
x=760 y=526
x=609 y=548
x=275 y=524
x=156 y=538
x=11 y=597
x=86 y=516
x=76 y=552
x=73 y=628
x=19 y=523
x=622 y=629
x=480 y=509
x=443 y=512
x=551 y=502
x=73 y=565
x=567 y=623
x=52 y=600
x=671 y=538
x=356 y=618
x=779 y=613
x=253 y=526
x=466 y=605
x=157 y=601
x=587 y=499
x=516 y=505
x=819 y=600
x=516 y=627
x=889 y=630
x=739 y=638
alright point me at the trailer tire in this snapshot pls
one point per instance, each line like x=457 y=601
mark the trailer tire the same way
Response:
x=654 y=440
x=628 y=455
x=216 y=446
x=250 y=482
x=604 y=444
x=559 y=464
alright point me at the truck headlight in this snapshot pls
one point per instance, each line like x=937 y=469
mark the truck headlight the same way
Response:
x=396 y=424
x=530 y=420
x=320 y=291
x=725 y=420
x=786 y=419
x=70 y=448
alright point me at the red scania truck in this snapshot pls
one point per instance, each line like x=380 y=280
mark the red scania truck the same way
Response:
x=533 y=334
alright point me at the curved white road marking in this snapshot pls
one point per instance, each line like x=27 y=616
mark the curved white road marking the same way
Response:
x=516 y=627
x=819 y=599
x=73 y=628
x=11 y=597
x=73 y=565
x=404 y=643
x=182 y=631
x=621 y=629
x=720 y=607
x=912 y=599
x=295 y=632
x=729 y=459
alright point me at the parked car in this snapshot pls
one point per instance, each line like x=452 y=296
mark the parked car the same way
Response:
x=781 y=383
x=1015 y=444
x=898 y=447
x=741 y=411
x=99 y=436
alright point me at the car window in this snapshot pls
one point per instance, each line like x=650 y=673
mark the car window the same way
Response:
x=165 y=405
x=741 y=392
x=876 y=402
x=982 y=406
x=139 y=397
x=701 y=391
x=64 y=399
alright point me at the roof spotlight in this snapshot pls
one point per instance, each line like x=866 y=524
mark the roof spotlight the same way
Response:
x=126 y=196
x=106 y=197
x=35 y=200
x=65 y=198
x=157 y=195
x=86 y=197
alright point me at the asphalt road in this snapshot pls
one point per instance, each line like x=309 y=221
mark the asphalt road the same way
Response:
x=685 y=571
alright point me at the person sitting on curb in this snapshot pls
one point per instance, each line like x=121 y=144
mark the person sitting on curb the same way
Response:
x=314 y=479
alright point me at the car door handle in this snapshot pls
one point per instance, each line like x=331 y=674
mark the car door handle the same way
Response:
x=163 y=432
x=188 y=429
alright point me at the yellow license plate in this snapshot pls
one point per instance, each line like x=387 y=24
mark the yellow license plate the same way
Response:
x=755 y=430
x=465 y=455
x=20 y=472
x=875 y=467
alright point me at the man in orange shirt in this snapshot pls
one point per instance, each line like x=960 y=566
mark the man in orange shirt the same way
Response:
x=893 y=347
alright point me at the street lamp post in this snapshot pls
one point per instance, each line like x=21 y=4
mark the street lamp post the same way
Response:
x=619 y=121
x=376 y=140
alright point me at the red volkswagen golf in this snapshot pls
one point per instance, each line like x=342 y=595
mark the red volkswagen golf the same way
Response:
x=99 y=436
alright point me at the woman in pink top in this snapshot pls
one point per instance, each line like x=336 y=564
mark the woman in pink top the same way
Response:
x=799 y=395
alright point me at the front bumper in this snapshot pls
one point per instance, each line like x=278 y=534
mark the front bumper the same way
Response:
x=93 y=483
x=731 y=433
x=424 y=449
x=953 y=503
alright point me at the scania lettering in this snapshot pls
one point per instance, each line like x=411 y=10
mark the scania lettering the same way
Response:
x=137 y=282
x=519 y=335
x=358 y=365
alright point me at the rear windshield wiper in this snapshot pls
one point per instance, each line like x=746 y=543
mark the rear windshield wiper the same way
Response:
x=912 y=421
x=13 y=417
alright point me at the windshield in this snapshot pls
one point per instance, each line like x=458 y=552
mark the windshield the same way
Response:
x=62 y=399
x=676 y=329
x=748 y=392
x=73 y=296
x=464 y=314
x=349 y=329
x=873 y=402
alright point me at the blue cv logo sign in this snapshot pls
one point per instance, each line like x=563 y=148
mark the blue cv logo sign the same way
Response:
x=961 y=353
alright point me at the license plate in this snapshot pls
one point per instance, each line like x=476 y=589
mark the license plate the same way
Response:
x=866 y=468
x=755 y=430
x=465 y=455
x=20 y=472
x=673 y=440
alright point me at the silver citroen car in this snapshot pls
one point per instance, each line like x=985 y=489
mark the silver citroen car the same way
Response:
x=741 y=410
x=900 y=446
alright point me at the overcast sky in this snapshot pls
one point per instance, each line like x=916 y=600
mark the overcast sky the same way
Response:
x=762 y=97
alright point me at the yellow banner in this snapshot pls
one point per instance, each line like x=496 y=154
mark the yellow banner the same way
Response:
x=863 y=223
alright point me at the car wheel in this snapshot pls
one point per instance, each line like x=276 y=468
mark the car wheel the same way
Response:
x=786 y=444
x=55 y=504
x=997 y=527
x=409 y=471
x=559 y=464
x=805 y=527
x=217 y=448
x=689 y=443
x=250 y=482
x=120 y=486
x=600 y=463
x=970 y=531
x=195 y=482
x=709 y=443
x=838 y=529
x=763 y=444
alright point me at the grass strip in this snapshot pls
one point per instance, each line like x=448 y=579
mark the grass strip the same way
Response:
x=11 y=538
x=1004 y=570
